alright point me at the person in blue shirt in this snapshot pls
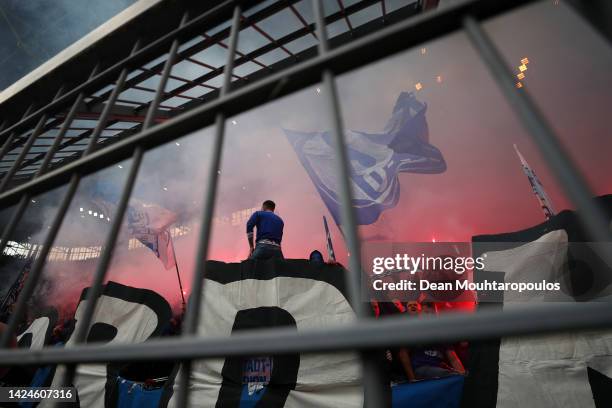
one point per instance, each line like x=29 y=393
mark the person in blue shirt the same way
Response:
x=269 y=232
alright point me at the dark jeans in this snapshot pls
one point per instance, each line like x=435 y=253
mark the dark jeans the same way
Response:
x=267 y=251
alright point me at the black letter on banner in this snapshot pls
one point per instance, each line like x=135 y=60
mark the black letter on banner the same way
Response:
x=284 y=367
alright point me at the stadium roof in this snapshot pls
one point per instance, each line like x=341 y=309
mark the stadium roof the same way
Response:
x=274 y=34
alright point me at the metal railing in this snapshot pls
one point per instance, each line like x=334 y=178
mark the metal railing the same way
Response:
x=363 y=335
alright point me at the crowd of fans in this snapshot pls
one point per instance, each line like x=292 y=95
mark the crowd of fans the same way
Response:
x=150 y=375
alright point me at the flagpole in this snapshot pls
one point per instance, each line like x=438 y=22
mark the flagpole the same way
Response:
x=537 y=187
x=178 y=274
x=330 y=248
x=341 y=234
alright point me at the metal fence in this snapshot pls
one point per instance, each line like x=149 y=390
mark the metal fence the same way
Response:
x=365 y=334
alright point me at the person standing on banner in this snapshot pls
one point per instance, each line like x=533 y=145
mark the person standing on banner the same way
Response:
x=269 y=233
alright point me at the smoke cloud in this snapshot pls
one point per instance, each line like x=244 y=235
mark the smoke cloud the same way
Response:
x=482 y=191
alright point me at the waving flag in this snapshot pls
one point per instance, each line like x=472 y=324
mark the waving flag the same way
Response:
x=146 y=222
x=149 y=224
x=376 y=159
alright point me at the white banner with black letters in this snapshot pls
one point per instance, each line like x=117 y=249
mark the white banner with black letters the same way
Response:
x=263 y=294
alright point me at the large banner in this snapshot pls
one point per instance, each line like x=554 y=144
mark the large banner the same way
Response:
x=123 y=315
x=264 y=294
x=570 y=369
x=38 y=333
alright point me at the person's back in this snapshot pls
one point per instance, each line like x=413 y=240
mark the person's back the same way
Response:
x=269 y=232
x=269 y=226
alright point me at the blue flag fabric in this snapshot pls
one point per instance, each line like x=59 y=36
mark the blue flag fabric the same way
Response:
x=146 y=222
x=376 y=159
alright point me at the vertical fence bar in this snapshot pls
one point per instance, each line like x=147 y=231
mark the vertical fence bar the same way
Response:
x=9 y=140
x=109 y=245
x=27 y=146
x=23 y=202
x=374 y=394
x=526 y=110
x=91 y=146
x=353 y=276
x=108 y=248
x=35 y=272
x=575 y=186
x=8 y=176
x=65 y=126
x=7 y=145
x=39 y=263
x=165 y=74
x=12 y=224
x=196 y=298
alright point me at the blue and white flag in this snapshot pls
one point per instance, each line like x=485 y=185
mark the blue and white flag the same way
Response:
x=146 y=222
x=164 y=249
x=151 y=229
x=376 y=159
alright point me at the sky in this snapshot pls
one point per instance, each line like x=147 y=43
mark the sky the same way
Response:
x=483 y=190
x=33 y=31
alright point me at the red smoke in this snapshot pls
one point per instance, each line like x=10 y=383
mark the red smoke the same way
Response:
x=483 y=191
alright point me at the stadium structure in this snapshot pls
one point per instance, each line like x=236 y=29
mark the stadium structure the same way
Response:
x=76 y=134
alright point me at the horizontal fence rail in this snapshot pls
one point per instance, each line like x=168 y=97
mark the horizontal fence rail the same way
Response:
x=158 y=46
x=363 y=335
x=367 y=334
x=373 y=47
